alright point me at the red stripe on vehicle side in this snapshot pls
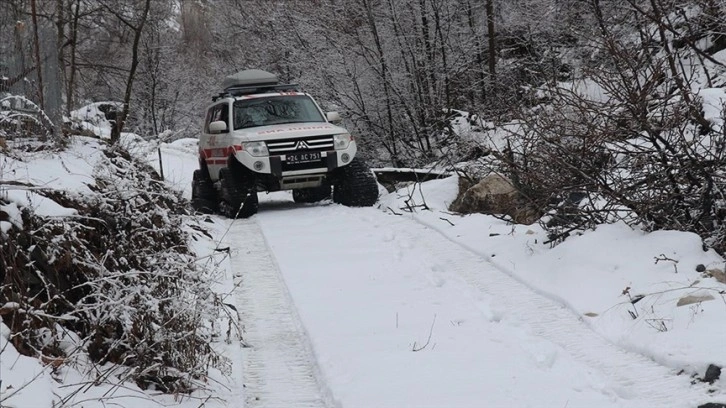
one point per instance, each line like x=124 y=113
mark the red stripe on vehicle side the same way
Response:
x=220 y=152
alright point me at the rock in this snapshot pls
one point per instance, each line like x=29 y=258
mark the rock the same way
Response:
x=701 y=268
x=712 y=405
x=713 y=372
x=717 y=274
x=494 y=194
x=691 y=299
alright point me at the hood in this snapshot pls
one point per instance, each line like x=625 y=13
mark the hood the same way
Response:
x=288 y=130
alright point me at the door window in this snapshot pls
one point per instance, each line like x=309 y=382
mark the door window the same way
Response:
x=217 y=112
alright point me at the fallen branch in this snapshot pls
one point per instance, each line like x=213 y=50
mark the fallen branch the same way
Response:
x=431 y=331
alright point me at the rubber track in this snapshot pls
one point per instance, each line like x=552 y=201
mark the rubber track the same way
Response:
x=358 y=187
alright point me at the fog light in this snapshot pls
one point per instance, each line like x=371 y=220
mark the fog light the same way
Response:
x=345 y=157
x=259 y=165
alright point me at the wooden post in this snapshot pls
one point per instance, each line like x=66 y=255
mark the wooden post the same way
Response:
x=161 y=164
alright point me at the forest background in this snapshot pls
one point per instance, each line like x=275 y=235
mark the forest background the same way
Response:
x=595 y=110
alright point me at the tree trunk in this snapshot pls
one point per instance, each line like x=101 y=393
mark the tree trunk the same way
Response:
x=22 y=69
x=426 y=37
x=444 y=56
x=384 y=78
x=71 y=83
x=60 y=24
x=479 y=54
x=118 y=126
x=36 y=43
x=492 y=43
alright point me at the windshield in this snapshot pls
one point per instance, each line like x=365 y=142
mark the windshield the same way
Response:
x=274 y=110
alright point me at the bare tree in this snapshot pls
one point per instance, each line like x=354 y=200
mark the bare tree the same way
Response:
x=134 y=19
x=492 y=52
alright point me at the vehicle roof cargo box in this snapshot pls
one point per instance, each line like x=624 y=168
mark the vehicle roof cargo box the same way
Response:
x=249 y=77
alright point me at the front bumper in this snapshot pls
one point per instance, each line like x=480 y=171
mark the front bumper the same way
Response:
x=280 y=167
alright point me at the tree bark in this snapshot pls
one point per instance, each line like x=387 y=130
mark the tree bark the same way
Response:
x=71 y=85
x=492 y=55
x=479 y=54
x=60 y=24
x=138 y=29
x=426 y=37
x=36 y=43
x=384 y=78
x=444 y=56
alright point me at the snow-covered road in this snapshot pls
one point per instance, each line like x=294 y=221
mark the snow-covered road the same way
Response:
x=355 y=307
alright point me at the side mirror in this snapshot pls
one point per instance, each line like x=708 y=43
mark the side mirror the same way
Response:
x=218 y=126
x=333 y=117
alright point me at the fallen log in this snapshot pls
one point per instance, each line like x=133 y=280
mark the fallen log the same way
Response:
x=390 y=176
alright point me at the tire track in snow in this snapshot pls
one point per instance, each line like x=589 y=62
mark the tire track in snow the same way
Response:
x=628 y=378
x=279 y=367
x=633 y=374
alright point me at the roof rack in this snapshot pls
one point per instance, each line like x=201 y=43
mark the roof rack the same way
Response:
x=254 y=89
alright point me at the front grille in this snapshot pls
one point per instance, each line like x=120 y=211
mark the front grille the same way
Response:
x=311 y=143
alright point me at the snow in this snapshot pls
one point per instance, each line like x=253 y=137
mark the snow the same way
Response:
x=178 y=167
x=25 y=381
x=713 y=104
x=14 y=217
x=395 y=279
x=91 y=118
x=42 y=206
x=384 y=307
x=589 y=273
x=69 y=170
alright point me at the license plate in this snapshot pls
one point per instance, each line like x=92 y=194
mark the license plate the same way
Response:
x=303 y=157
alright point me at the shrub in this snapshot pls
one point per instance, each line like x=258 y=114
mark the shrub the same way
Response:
x=119 y=274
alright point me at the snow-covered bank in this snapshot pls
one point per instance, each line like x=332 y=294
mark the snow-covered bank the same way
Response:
x=83 y=177
x=598 y=276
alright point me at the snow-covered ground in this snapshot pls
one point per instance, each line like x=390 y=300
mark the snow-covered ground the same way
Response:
x=381 y=307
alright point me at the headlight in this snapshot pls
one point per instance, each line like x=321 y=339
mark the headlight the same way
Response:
x=342 y=141
x=256 y=149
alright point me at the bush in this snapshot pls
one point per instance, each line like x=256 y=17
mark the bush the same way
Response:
x=119 y=275
x=644 y=151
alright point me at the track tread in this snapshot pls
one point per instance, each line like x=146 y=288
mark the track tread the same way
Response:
x=356 y=185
